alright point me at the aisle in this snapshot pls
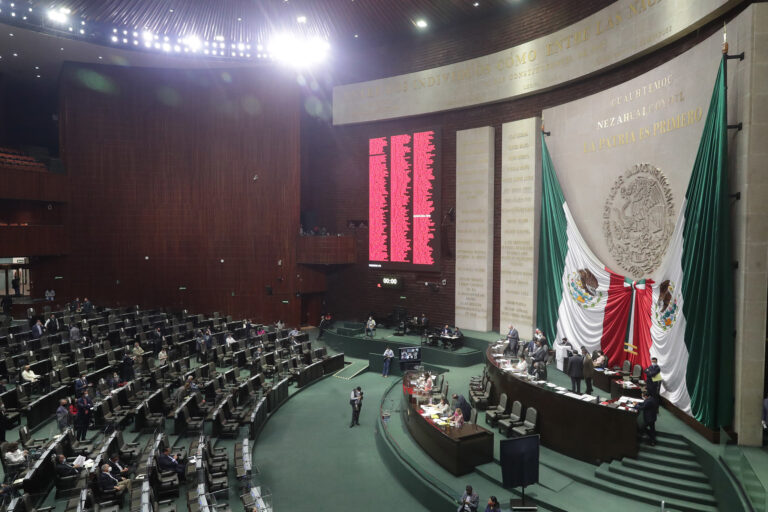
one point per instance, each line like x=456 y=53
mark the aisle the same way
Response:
x=311 y=460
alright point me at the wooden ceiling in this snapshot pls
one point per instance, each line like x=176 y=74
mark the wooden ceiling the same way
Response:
x=256 y=20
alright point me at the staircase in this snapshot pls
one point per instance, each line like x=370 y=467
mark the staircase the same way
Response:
x=668 y=471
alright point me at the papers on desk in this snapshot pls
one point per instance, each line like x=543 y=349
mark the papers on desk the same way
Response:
x=629 y=400
x=551 y=385
x=589 y=398
x=79 y=461
x=573 y=395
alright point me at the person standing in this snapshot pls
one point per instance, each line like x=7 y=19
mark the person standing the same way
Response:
x=80 y=385
x=138 y=352
x=653 y=378
x=388 y=356
x=459 y=402
x=469 y=501
x=370 y=327
x=576 y=372
x=589 y=369
x=16 y=283
x=62 y=415
x=83 y=420
x=74 y=333
x=38 y=329
x=52 y=324
x=514 y=340
x=493 y=505
x=650 y=410
x=355 y=400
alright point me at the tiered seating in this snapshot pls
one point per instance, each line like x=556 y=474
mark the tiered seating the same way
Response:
x=149 y=396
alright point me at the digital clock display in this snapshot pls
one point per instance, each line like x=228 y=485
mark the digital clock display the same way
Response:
x=390 y=282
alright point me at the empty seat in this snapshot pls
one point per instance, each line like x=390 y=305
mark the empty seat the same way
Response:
x=512 y=420
x=492 y=416
x=528 y=426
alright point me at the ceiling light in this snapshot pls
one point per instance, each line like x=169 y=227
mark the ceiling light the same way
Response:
x=15 y=54
x=38 y=76
x=421 y=23
x=298 y=52
x=218 y=38
x=193 y=42
x=239 y=19
x=147 y=35
x=114 y=39
x=476 y=4
x=355 y=36
x=100 y=57
x=58 y=16
x=301 y=19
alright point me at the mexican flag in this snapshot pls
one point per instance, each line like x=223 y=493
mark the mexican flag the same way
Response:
x=579 y=298
x=683 y=315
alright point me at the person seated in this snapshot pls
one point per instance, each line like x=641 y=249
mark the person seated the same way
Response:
x=469 y=501
x=107 y=482
x=63 y=468
x=447 y=331
x=119 y=470
x=294 y=332
x=168 y=462
x=74 y=333
x=27 y=375
x=14 y=454
x=443 y=407
x=493 y=505
x=458 y=418
x=230 y=340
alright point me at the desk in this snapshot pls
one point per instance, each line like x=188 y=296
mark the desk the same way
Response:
x=586 y=431
x=458 y=450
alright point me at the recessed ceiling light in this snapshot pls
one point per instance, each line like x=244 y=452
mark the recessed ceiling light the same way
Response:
x=37 y=67
x=239 y=19
x=170 y=10
x=11 y=34
x=301 y=19
x=476 y=4
x=62 y=49
x=15 y=54
x=100 y=57
x=38 y=76
x=421 y=23
x=355 y=36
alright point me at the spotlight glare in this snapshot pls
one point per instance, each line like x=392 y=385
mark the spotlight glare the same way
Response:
x=58 y=16
x=193 y=42
x=147 y=35
x=421 y=23
x=114 y=39
x=301 y=19
x=298 y=52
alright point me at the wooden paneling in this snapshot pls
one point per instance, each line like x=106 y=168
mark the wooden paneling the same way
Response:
x=32 y=241
x=326 y=250
x=174 y=171
x=33 y=185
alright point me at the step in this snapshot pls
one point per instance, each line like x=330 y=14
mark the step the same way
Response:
x=666 y=451
x=650 y=476
x=672 y=442
x=652 y=496
x=639 y=483
x=660 y=460
x=694 y=475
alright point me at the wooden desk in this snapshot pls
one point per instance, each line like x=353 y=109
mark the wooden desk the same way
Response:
x=587 y=431
x=458 y=450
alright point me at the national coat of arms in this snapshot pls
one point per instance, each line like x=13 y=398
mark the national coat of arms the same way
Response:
x=583 y=287
x=638 y=219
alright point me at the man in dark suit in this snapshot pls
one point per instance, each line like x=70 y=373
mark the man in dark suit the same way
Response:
x=157 y=341
x=38 y=329
x=589 y=369
x=63 y=468
x=83 y=419
x=576 y=372
x=514 y=340
x=653 y=378
x=107 y=482
x=80 y=385
x=52 y=324
x=118 y=469
x=650 y=411
x=168 y=462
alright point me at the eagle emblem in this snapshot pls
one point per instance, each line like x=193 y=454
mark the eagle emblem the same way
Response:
x=583 y=288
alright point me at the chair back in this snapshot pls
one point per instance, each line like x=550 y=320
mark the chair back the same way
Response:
x=626 y=366
x=502 y=407
x=473 y=416
x=530 y=417
x=636 y=371
x=517 y=411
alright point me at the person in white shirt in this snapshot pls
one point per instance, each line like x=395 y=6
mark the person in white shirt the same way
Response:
x=15 y=455
x=443 y=408
x=294 y=332
x=28 y=375
x=370 y=327
x=230 y=340
x=388 y=356
x=162 y=357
